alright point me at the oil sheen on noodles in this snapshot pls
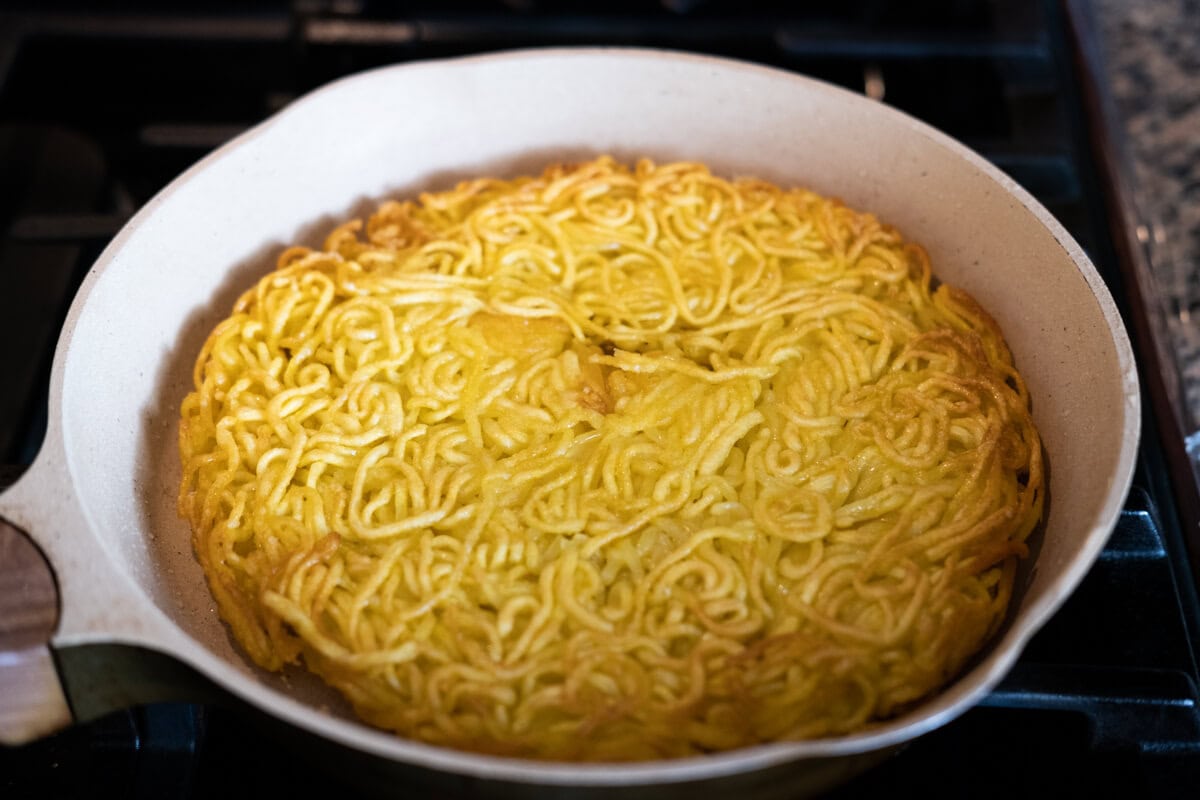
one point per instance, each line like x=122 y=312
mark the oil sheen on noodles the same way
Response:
x=612 y=463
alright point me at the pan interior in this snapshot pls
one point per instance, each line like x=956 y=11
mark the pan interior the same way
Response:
x=177 y=270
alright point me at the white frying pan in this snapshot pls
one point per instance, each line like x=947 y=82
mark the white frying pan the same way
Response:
x=100 y=499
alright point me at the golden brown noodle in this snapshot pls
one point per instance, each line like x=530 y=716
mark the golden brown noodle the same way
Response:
x=611 y=464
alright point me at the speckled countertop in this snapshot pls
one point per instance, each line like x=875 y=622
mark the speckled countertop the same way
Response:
x=1151 y=50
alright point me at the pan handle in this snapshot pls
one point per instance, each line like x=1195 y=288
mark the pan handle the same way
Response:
x=32 y=700
x=43 y=688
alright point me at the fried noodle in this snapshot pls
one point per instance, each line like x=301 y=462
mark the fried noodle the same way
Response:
x=610 y=464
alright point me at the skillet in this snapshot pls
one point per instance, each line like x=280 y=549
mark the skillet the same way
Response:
x=99 y=501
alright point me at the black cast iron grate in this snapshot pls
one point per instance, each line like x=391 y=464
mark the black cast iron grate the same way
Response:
x=99 y=111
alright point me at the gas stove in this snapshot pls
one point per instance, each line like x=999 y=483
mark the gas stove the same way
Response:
x=99 y=110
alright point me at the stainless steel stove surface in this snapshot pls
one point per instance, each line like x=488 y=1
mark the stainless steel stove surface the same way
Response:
x=98 y=111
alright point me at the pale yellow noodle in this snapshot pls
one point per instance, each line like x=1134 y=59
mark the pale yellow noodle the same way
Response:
x=612 y=463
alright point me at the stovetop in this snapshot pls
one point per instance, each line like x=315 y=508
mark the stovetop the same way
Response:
x=98 y=111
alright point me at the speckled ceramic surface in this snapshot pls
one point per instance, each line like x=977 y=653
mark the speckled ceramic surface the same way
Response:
x=1151 y=51
x=101 y=497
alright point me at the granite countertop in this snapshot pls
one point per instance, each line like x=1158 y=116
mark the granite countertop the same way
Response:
x=1151 y=51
